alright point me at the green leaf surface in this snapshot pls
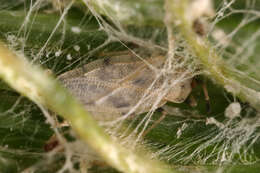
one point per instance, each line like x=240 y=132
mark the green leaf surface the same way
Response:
x=23 y=131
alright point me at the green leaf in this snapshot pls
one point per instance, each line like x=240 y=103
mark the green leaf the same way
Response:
x=23 y=131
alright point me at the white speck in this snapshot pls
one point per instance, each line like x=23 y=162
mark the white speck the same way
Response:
x=69 y=57
x=199 y=8
x=88 y=47
x=58 y=53
x=76 y=48
x=76 y=29
x=233 y=110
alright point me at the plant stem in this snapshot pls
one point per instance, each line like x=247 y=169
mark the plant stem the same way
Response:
x=42 y=89
x=220 y=72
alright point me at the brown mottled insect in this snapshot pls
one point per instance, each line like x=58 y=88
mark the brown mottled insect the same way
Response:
x=111 y=87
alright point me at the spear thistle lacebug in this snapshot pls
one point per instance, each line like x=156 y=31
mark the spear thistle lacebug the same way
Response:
x=111 y=87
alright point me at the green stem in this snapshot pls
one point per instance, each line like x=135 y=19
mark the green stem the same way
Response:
x=219 y=71
x=42 y=89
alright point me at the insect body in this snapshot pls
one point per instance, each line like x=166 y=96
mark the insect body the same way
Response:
x=111 y=87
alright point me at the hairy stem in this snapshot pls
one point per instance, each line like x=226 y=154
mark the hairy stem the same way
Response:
x=220 y=72
x=42 y=89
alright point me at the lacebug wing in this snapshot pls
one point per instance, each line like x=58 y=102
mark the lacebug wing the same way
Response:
x=111 y=87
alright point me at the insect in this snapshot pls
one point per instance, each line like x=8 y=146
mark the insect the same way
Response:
x=111 y=87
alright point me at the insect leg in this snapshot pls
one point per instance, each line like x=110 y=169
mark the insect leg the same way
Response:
x=206 y=95
x=205 y=92
x=164 y=113
x=192 y=101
